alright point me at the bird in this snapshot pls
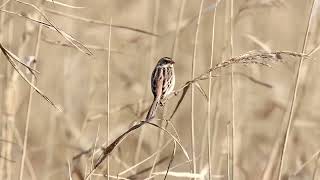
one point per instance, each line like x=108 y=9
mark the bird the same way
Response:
x=162 y=84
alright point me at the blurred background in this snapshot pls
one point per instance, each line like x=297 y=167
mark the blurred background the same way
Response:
x=248 y=146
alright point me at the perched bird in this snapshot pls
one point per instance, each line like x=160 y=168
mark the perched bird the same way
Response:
x=162 y=83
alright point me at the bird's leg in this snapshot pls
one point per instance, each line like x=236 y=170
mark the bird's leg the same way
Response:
x=163 y=101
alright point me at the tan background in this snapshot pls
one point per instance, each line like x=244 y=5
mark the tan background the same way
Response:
x=77 y=83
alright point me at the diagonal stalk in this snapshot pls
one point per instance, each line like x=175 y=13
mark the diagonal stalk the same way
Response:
x=33 y=80
x=297 y=83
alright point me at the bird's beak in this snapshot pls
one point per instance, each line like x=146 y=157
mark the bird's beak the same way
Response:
x=172 y=62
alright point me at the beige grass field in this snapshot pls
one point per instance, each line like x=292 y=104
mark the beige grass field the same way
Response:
x=247 y=96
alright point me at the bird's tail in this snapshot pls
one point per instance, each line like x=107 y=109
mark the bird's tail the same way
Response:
x=153 y=108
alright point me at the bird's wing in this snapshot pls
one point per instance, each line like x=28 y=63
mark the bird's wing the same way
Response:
x=153 y=108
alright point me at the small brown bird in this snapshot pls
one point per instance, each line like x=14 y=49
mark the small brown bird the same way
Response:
x=162 y=83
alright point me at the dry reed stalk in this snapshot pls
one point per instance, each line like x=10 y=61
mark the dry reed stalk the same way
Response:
x=29 y=108
x=206 y=137
x=207 y=133
x=4 y=78
x=226 y=53
x=194 y=163
x=210 y=89
x=233 y=127
x=150 y=57
x=2 y=135
x=108 y=93
x=293 y=104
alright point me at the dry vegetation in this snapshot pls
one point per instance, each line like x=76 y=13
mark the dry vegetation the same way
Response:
x=75 y=75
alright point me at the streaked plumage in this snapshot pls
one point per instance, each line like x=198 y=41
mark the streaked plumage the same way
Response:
x=162 y=83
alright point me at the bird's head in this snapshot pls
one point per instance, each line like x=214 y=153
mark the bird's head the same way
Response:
x=165 y=62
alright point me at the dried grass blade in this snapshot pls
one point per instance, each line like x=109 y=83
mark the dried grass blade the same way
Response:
x=201 y=90
x=4 y=4
x=257 y=41
x=14 y=65
x=77 y=44
x=186 y=175
x=93 y=21
x=16 y=58
x=68 y=37
x=171 y=160
x=173 y=137
x=141 y=162
x=313 y=157
x=184 y=92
